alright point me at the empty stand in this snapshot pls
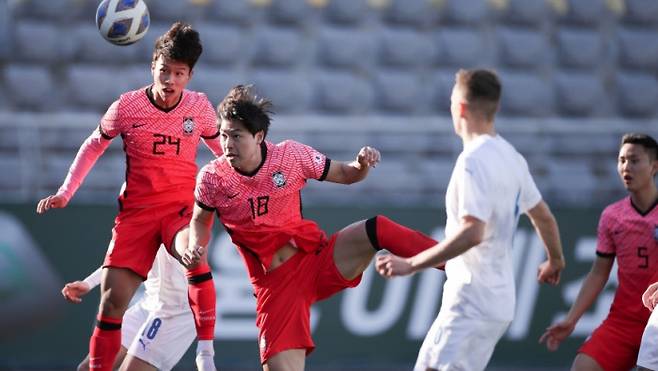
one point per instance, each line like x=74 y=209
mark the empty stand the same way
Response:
x=471 y=12
x=530 y=13
x=289 y=12
x=222 y=45
x=400 y=92
x=638 y=48
x=30 y=87
x=289 y=92
x=579 y=94
x=584 y=13
x=580 y=47
x=412 y=13
x=637 y=93
x=277 y=47
x=526 y=94
x=522 y=47
x=345 y=48
x=96 y=87
x=44 y=42
x=461 y=47
x=345 y=12
x=342 y=93
x=641 y=12
x=406 y=48
x=215 y=82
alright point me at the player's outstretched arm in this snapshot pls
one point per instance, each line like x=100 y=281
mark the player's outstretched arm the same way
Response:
x=355 y=171
x=470 y=234
x=589 y=291
x=200 y=230
x=650 y=296
x=90 y=150
x=74 y=291
x=546 y=227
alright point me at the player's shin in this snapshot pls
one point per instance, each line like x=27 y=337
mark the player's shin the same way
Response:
x=201 y=294
x=384 y=233
x=105 y=343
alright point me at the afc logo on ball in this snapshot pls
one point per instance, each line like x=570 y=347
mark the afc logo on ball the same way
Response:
x=188 y=126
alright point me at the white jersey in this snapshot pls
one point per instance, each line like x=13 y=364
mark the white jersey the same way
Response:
x=492 y=183
x=165 y=288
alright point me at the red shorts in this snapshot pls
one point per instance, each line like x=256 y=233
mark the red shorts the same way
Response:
x=614 y=345
x=284 y=297
x=138 y=233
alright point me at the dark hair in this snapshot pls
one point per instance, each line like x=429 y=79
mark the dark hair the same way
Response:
x=643 y=140
x=181 y=44
x=482 y=90
x=243 y=105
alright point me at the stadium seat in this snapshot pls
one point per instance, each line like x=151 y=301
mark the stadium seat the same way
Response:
x=289 y=12
x=95 y=86
x=180 y=10
x=412 y=13
x=31 y=87
x=637 y=93
x=579 y=47
x=471 y=12
x=400 y=92
x=638 y=48
x=529 y=13
x=522 y=47
x=345 y=11
x=90 y=47
x=215 y=82
x=406 y=48
x=41 y=42
x=441 y=88
x=231 y=11
x=641 y=11
x=580 y=12
x=525 y=94
x=341 y=93
x=222 y=45
x=461 y=47
x=345 y=48
x=579 y=93
x=61 y=10
x=570 y=181
x=289 y=91
x=6 y=26
x=276 y=47
x=146 y=44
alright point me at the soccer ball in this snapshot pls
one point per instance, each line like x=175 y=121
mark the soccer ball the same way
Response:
x=122 y=22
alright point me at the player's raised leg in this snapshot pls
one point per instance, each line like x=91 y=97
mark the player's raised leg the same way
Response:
x=357 y=243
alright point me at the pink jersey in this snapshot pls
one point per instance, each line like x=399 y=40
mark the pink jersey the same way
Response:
x=633 y=238
x=160 y=145
x=262 y=211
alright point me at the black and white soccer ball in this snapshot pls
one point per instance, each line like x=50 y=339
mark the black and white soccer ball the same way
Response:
x=122 y=22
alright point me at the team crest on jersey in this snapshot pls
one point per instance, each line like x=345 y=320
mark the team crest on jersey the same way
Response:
x=188 y=126
x=278 y=179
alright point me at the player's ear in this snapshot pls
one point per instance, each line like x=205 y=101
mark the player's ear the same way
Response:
x=260 y=136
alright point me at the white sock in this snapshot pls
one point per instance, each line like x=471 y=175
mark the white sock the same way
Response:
x=205 y=346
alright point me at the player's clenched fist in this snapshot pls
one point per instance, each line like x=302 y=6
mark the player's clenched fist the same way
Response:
x=389 y=265
x=368 y=157
x=192 y=255
x=51 y=202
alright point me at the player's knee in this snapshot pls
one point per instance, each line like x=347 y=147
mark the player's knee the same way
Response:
x=83 y=366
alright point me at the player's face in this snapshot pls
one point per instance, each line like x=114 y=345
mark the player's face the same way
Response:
x=241 y=148
x=456 y=107
x=169 y=80
x=635 y=167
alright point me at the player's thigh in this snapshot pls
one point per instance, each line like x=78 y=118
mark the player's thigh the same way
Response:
x=288 y=360
x=459 y=343
x=353 y=250
x=133 y=363
x=584 y=362
x=118 y=285
x=133 y=321
x=163 y=340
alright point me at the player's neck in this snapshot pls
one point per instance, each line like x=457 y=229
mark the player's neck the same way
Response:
x=646 y=198
x=475 y=130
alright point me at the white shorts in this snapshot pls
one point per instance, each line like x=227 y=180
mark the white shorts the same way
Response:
x=456 y=343
x=161 y=340
x=648 y=356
